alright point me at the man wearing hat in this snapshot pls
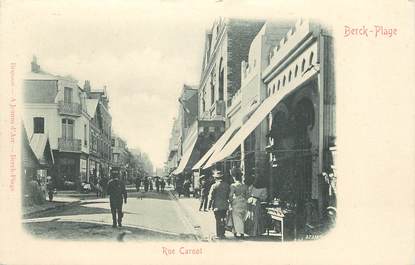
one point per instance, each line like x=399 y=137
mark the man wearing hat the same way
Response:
x=204 y=193
x=117 y=192
x=219 y=193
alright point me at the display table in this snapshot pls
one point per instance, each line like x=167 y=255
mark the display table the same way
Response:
x=277 y=215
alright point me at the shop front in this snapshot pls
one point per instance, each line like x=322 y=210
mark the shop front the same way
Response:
x=70 y=170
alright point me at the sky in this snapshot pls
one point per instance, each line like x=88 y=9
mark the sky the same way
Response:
x=143 y=59
x=143 y=51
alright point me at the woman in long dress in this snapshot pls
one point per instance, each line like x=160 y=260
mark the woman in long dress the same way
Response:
x=237 y=197
x=254 y=222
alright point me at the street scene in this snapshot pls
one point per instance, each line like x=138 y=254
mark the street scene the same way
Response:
x=240 y=148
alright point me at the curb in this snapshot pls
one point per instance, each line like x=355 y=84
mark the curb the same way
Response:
x=187 y=218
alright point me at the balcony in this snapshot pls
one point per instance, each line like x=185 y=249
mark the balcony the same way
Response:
x=69 y=145
x=66 y=108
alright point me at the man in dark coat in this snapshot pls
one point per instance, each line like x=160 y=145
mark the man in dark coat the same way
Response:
x=146 y=183
x=162 y=185
x=204 y=193
x=157 y=184
x=117 y=192
x=219 y=194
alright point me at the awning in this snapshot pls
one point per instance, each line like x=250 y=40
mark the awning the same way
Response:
x=185 y=158
x=217 y=147
x=40 y=144
x=257 y=117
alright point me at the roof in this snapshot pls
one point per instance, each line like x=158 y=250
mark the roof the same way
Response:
x=91 y=106
x=40 y=91
x=41 y=76
x=38 y=143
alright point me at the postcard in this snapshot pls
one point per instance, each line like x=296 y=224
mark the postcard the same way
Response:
x=226 y=132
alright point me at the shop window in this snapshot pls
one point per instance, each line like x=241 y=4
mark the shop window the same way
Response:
x=38 y=125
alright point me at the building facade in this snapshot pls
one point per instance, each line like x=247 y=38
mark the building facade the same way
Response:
x=280 y=124
x=56 y=106
x=226 y=45
x=120 y=156
x=100 y=132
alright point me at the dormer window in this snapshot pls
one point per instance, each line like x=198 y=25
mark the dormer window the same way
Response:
x=67 y=95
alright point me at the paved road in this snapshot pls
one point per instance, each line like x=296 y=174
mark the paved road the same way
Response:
x=153 y=216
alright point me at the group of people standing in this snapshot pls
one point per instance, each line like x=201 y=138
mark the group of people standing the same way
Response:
x=160 y=184
x=235 y=205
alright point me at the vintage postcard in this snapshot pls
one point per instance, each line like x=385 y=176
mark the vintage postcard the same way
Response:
x=225 y=132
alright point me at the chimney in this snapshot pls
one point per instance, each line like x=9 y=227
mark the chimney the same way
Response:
x=87 y=86
x=35 y=66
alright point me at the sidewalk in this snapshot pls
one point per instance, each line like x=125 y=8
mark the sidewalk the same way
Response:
x=203 y=222
x=58 y=201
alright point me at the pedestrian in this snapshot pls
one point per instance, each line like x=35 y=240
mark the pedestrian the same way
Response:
x=151 y=183
x=162 y=185
x=204 y=193
x=117 y=192
x=146 y=183
x=137 y=184
x=157 y=184
x=186 y=188
x=50 y=187
x=219 y=194
x=238 y=198
x=254 y=223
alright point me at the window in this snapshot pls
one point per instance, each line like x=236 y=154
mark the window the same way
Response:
x=67 y=129
x=38 y=125
x=221 y=79
x=67 y=95
x=212 y=91
x=289 y=76
x=310 y=62
x=112 y=142
x=85 y=135
x=296 y=71
x=302 y=65
x=279 y=84
x=211 y=129
x=283 y=81
x=273 y=88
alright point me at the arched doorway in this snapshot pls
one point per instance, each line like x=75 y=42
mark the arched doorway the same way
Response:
x=303 y=121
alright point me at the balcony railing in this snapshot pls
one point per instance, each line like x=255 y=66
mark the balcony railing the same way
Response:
x=69 y=145
x=69 y=108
